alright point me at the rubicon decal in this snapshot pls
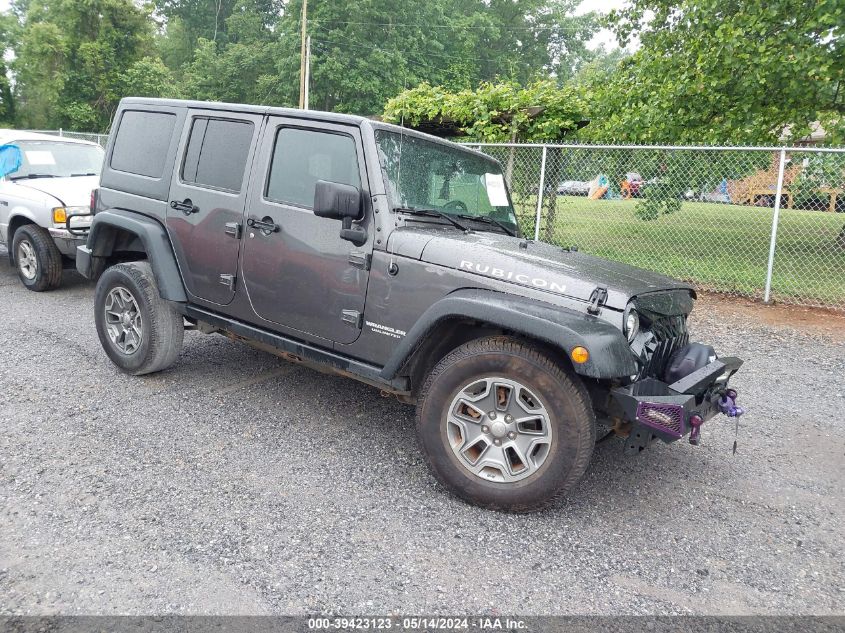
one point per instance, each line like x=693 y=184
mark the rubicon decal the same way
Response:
x=509 y=275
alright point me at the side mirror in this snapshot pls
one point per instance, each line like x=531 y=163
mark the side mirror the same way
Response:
x=337 y=201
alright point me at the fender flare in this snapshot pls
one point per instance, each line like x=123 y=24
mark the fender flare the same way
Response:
x=152 y=235
x=610 y=355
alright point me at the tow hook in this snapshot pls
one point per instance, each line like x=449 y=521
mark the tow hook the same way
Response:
x=728 y=406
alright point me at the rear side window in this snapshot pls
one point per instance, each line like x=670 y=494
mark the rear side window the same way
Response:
x=217 y=153
x=302 y=157
x=142 y=141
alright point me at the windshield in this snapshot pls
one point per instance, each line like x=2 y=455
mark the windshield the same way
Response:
x=57 y=159
x=420 y=174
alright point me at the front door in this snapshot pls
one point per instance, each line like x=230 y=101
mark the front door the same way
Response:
x=207 y=197
x=302 y=276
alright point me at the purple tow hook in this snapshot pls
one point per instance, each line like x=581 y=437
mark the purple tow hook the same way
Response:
x=728 y=406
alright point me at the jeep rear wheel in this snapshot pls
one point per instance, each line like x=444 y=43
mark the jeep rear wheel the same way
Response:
x=37 y=258
x=505 y=427
x=141 y=332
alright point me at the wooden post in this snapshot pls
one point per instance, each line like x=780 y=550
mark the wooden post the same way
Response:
x=302 y=54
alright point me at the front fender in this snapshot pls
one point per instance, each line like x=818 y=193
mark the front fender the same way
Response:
x=610 y=355
x=152 y=235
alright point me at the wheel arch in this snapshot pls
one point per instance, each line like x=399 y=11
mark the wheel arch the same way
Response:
x=473 y=313
x=115 y=233
x=19 y=218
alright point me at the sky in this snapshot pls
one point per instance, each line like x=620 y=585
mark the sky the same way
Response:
x=603 y=37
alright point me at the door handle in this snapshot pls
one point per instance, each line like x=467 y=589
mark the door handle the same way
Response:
x=186 y=206
x=265 y=225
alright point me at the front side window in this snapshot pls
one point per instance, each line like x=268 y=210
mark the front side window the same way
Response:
x=302 y=157
x=217 y=153
x=56 y=159
x=422 y=174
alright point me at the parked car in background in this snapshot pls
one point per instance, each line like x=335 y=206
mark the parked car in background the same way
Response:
x=45 y=195
x=573 y=188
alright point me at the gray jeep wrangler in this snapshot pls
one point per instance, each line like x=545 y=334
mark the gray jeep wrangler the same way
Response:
x=394 y=258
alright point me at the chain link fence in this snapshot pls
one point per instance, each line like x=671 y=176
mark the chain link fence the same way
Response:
x=757 y=222
x=100 y=139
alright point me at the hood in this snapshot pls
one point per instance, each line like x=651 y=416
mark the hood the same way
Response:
x=539 y=266
x=70 y=192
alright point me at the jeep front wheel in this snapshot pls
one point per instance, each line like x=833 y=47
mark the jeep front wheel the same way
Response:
x=505 y=427
x=141 y=332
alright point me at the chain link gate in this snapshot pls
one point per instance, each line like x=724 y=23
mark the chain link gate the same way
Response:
x=763 y=222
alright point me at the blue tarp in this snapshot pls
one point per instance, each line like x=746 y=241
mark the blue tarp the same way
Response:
x=10 y=159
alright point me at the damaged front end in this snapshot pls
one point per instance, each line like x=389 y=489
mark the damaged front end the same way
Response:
x=680 y=384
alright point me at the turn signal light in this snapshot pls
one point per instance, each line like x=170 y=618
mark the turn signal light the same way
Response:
x=579 y=355
x=59 y=215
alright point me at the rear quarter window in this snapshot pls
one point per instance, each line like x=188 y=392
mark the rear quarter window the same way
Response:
x=142 y=142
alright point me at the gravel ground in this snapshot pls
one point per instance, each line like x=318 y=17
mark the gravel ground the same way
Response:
x=235 y=483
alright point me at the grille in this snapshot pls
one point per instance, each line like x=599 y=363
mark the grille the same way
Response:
x=668 y=334
x=668 y=418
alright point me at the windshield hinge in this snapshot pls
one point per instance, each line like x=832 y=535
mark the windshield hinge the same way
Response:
x=597 y=299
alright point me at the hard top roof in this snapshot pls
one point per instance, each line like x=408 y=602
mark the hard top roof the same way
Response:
x=308 y=115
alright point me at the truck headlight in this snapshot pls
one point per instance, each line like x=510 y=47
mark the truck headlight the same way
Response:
x=631 y=323
x=60 y=216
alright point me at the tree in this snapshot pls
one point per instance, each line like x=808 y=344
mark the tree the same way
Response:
x=72 y=58
x=364 y=53
x=710 y=71
x=8 y=30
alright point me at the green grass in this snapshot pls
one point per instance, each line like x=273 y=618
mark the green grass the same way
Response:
x=718 y=246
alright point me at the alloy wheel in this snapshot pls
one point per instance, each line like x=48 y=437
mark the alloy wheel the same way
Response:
x=498 y=429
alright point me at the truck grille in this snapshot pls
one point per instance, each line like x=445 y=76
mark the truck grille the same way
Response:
x=667 y=334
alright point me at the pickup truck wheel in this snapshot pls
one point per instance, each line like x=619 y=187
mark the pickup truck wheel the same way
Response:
x=141 y=332
x=37 y=258
x=505 y=427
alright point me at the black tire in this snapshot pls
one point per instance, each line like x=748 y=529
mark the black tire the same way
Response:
x=47 y=273
x=162 y=327
x=562 y=393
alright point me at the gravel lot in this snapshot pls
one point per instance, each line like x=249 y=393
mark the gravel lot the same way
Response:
x=237 y=483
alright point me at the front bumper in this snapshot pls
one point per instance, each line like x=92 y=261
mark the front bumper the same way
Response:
x=66 y=241
x=655 y=409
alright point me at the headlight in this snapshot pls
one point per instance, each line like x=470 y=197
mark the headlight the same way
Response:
x=631 y=324
x=60 y=216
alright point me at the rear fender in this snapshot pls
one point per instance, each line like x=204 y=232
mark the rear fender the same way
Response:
x=103 y=236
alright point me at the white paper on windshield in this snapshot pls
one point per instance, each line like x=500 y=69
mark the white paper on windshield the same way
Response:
x=496 y=192
x=40 y=158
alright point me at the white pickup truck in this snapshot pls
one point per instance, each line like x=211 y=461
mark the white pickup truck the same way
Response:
x=45 y=194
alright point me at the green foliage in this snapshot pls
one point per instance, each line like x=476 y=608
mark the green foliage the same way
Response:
x=714 y=72
x=493 y=112
x=366 y=52
x=72 y=59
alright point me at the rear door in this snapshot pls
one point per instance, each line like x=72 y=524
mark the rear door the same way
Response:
x=207 y=197
x=303 y=276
